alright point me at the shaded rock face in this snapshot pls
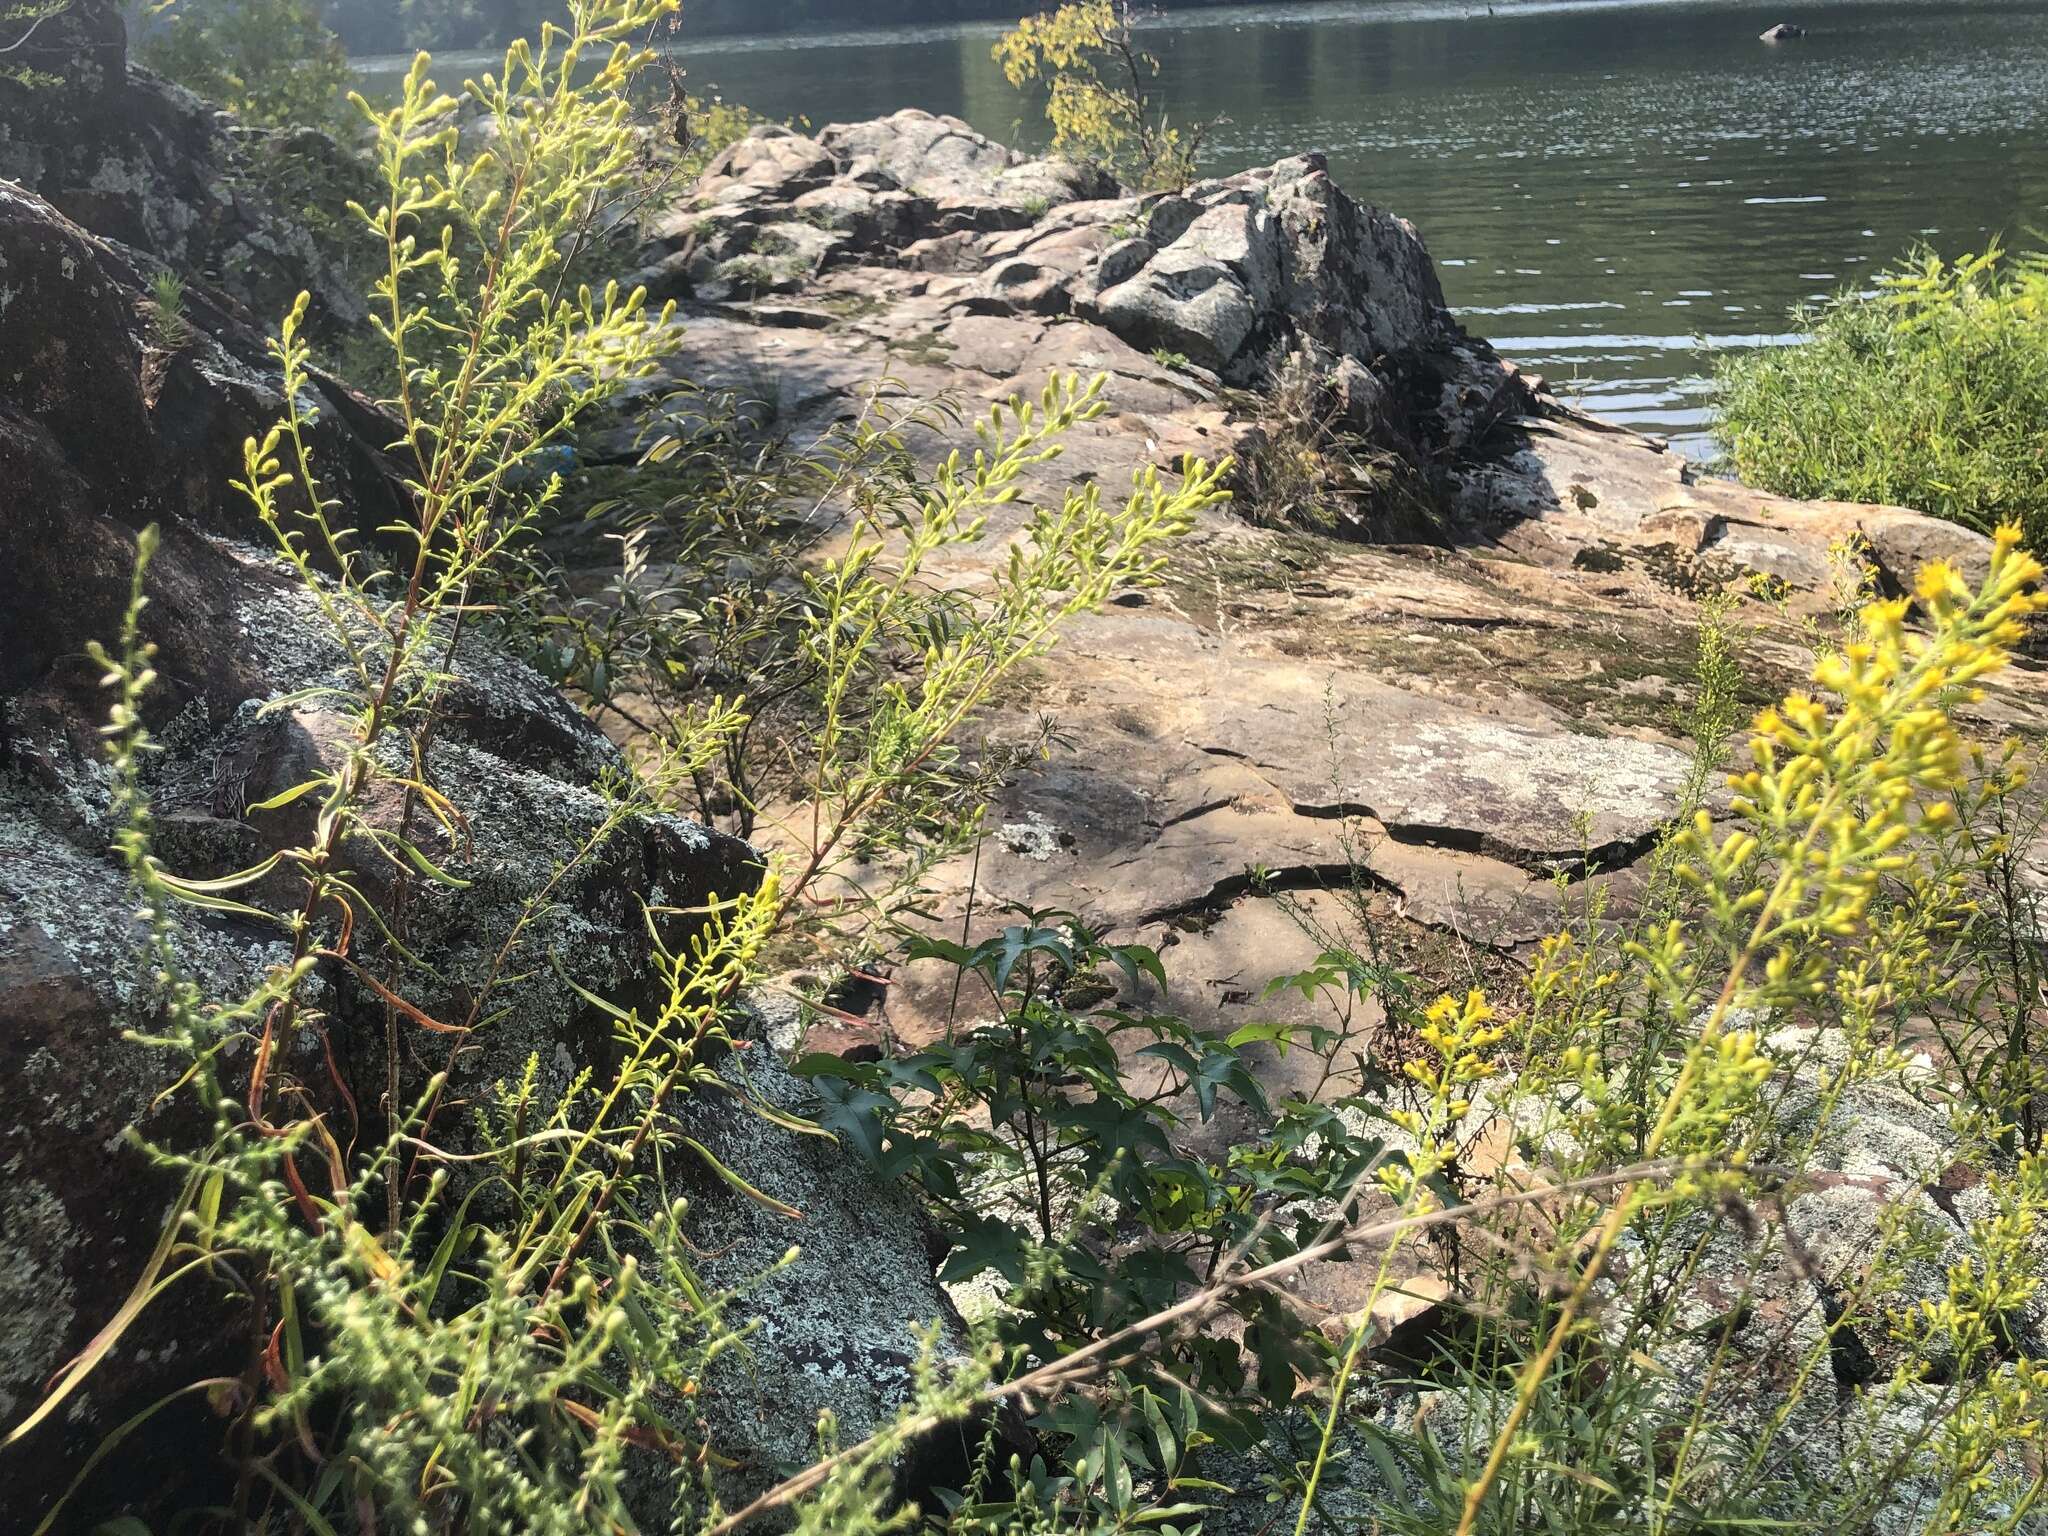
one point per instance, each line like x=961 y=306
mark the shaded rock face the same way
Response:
x=146 y=163
x=101 y=431
x=103 y=428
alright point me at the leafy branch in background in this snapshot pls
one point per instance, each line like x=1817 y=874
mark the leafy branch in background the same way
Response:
x=271 y=62
x=19 y=49
x=1099 y=85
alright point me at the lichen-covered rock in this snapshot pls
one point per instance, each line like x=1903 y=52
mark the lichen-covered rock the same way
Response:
x=1231 y=277
x=1191 y=298
x=843 y=1328
x=106 y=425
x=777 y=207
x=770 y=161
x=136 y=159
x=945 y=159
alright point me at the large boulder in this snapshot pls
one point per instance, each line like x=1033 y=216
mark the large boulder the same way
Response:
x=1246 y=270
x=1206 y=294
x=107 y=423
x=944 y=158
x=1229 y=280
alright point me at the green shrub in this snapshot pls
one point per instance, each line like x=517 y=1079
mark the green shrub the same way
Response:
x=272 y=62
x=1049 y=1140
x=1931 y=393
x=479 y=1350
x=1098 y=85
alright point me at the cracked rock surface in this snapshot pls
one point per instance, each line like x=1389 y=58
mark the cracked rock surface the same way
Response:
x=1469 y=730
x=1458 y=718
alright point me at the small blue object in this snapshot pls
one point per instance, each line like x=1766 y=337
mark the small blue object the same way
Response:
x=540 y=463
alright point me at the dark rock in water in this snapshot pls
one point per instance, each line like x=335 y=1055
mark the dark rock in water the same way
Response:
x=106 y=425
x=1783 y=32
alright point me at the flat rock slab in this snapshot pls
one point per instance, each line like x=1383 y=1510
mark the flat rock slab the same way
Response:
x=1336 y=744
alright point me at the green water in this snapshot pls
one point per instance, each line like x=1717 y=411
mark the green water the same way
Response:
x=1604 y=186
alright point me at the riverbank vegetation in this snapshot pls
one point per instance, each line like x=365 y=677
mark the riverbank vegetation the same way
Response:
x=1930 y=392
x=1622 y=1243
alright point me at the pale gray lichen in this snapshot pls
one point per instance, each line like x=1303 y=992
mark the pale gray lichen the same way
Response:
x=87 y=910
x=36 y=1297
x=1034 y=838
x=841 y=1327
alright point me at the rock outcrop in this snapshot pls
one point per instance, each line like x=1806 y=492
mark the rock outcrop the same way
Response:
x=1224 y=281
x=1455 y=721
x=777 y=208
x=1462 y=740
x=1462 y=733
x=144 y=162
x=108 y=423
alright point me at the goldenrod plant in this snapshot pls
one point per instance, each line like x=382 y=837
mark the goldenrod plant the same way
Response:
x=1606 y=1163
x=879 y=762
x=1099 y=92
x=506 y=1339
x=1835 y=892
x=863 y=671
